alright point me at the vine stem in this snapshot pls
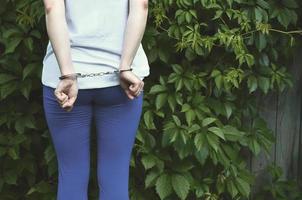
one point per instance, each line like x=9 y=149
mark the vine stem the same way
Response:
x=286 y=32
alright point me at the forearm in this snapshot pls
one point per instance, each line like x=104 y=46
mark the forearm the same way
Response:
x=58 y=34
x=135 y=28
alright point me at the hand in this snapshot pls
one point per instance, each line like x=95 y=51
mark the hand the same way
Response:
x=131 y=84
x=66 y=93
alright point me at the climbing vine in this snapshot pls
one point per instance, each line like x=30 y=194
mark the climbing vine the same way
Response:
x=209 y=60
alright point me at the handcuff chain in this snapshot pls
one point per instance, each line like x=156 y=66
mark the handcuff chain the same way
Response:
x=80 y=75
x=75 y=75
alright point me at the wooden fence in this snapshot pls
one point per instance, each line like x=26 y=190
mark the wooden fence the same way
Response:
x=283 y=112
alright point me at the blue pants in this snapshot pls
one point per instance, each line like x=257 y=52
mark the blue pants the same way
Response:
x=116 y=118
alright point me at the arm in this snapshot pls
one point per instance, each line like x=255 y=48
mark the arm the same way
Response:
x=66 y=91
x=58 y=34
x=136 y=23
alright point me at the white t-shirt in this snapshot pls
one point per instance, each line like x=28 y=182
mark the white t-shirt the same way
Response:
x=96 y=32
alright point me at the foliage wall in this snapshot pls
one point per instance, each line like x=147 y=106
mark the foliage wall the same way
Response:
x=200 y=122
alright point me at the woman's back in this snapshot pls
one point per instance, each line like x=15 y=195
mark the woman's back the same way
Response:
x=96 y=31
x=96 y=19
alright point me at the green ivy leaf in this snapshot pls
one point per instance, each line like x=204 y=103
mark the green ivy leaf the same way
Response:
x=12 y=45
x=149 y=161
x=49 y=153
x=4 y=78
x=217 y=131
x=149 y=120
x=254 y=146
x=228 y=109
x=242 y=186
x=199 y=141
x=232 y=188
x=180 y=185
x=150 y=179
x=252 y=83
x=26 y=88
x=13 y=153
x=157 y=89
x=163 y=186
x=213 y=141
x=160 y=100
x=10 y=176
x=264 y=83
x=208 y=120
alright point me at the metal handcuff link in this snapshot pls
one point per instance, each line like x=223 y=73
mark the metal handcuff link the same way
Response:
x=80 y=75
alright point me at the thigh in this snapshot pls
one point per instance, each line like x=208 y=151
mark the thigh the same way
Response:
x=69 y=130
x=117 y=119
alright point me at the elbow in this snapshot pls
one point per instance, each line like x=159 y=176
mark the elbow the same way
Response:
x=140 y=5
x=145 y=4
x=49 y=5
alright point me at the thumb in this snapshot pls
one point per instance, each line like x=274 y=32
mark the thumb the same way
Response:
x=133 y=87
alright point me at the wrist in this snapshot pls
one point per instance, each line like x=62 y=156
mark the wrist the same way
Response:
x=69 y=80
x=125 y=70
x=70 y=76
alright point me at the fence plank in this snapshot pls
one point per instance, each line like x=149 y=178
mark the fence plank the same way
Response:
x=283 y=114
x=288 y=124
x=267 y=109
x=287 y=143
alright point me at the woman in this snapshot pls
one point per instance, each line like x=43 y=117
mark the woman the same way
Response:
x=93 y=69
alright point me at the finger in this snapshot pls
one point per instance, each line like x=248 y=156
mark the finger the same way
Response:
x=60 y=96
x=66 y=106
x=141 y=85
x=69 y=103
x=129 y=94
x=63 y=101
x=134 y=87
x=127 y=90
x=68 y=109
x=138 y=91
x=72 y=100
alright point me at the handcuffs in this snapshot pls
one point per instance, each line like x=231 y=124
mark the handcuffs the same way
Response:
x=74 y=76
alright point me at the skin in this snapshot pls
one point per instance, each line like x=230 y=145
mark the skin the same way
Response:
x=56 y=25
